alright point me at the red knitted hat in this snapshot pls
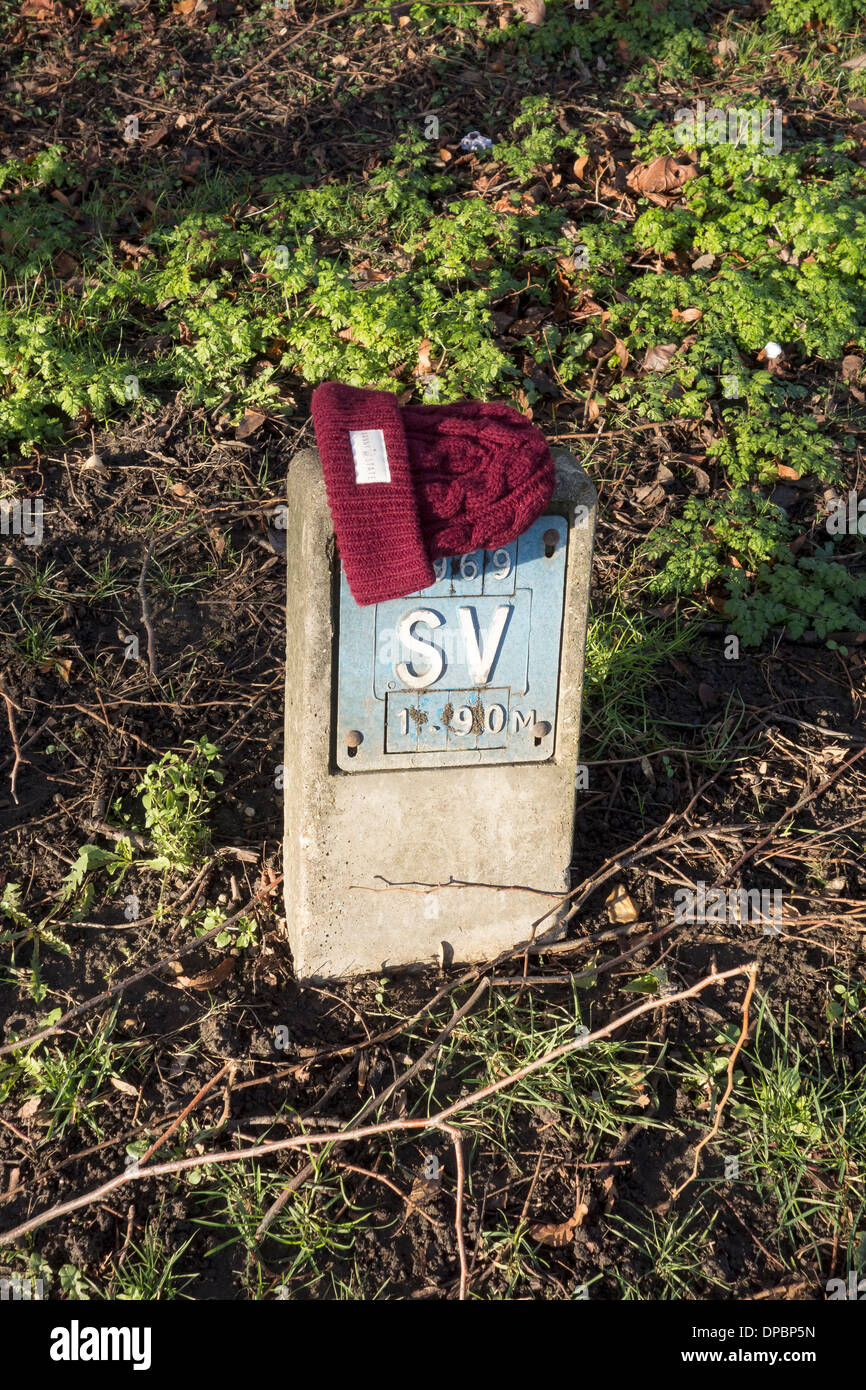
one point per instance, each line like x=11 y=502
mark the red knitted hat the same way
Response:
x=409 y=485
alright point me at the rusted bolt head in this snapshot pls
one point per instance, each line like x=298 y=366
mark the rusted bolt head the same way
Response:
x=540 y=728
x=551 y=539
x=354 y=738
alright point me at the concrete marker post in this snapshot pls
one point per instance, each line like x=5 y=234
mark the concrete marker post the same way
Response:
x=373 y=859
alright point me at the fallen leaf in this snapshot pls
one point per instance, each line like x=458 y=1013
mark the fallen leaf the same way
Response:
x=658 y=358
x=705 y=262
x=64 y=668
x=707 y=695
x=123 y=1086
x=29 y=1108
x=687 y=315
x=666 y=174
x=64 y=266
x=209 y=978
x=559 y=1233
x=252 y=421
x=579 y=165
x=620 y=907
x=532 y=11
x=701 y=477
x=649 y=495
x=423 y=366
x=132 y=250
x=155 y=136
x=95 y=464
x=785 y=472
x=858 y=62
x=191 y=167
x=851 y=367
x=182 y=491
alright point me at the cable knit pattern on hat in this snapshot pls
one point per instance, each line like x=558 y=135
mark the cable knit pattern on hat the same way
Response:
x=482 y=474
x=471 y=476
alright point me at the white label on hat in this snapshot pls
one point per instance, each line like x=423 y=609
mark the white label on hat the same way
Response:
x=370 y=455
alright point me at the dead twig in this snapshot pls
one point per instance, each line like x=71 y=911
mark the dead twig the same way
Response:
x=208 y=1086
x=145 y=612
x=753 y=976
x=13 y=734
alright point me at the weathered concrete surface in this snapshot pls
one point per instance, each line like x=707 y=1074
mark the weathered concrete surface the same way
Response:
x=347 y=834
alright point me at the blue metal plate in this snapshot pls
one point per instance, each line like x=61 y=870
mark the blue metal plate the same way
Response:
x=466 y=671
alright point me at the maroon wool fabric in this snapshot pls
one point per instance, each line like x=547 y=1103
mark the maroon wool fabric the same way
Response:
x=471 y=476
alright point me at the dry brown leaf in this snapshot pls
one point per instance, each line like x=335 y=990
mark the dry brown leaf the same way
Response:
x=135 y=251
x=123 y=1086
x=620 y=907
x=666 y=174
x=858 y=62
x=209 y=978
x=423 y=366
x=851 y=367
x=579 y=165
x=687 y=315
x=64 y=667
x=29 y=1108
x=64 y=265
x=658 y=358
x=155 y=136
x=532 y=11
x=559 y=1233
x=707 y=695
x=252 y=421
x=191 y=167
x=650 y=495
x=785 y=472
x=424 y=1190
x=701 y=477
